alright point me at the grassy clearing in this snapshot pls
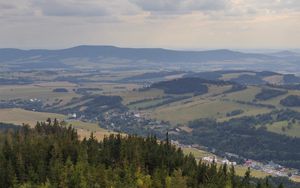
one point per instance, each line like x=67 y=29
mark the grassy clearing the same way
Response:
x=19 y=116
x=235 y=75
x=198 y=154
x=145 y=104
x=214 y=90
x=246 y=95
x=42 y=91
x=240 y=170
x=275 y=79
x=110 y=88
x=252 y=111
x=296 y=179
x=202 y=108
x=137 y=96
x=278 y=126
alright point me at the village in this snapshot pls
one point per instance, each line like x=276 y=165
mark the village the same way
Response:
x=269 y=167
x=132 y=119
x=137 y=123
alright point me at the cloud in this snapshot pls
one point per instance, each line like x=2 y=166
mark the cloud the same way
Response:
x=181 y=6
x=153 y=23
x=7 y=6
x=69 y=8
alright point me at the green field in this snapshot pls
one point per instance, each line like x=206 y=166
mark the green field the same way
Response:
x=283 y=128
x=133 y=96
x=20 y=116
x=41 y=91
x=240 y=170
x=212 y=105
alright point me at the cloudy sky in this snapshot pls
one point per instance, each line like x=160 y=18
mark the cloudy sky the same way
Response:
x=180 y=24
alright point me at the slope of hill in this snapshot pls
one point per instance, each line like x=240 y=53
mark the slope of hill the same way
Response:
x=55 y=157
x=151 y=54
x=36 y=59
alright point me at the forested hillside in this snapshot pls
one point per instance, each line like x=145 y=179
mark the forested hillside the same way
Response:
x=52 y=156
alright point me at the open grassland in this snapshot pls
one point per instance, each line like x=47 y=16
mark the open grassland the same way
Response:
x=275 y=79
x=202 y=108
x=110 y=88
x=240 y=170
x=41 y=91
x=133 y=96
x=213 y=104
x=250 y=111
x=235 y=75
x=296 y=179
x=246 y=95
x=214 y=90
x=281 y=127
x=276 y=100
x=196 y=109
x=20 y=116
x=145 y=104
x=198 y=154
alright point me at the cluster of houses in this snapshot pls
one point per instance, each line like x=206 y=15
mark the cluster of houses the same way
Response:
x=271 y=168
x=34 y=100
x=211 y=159
x=111 y=120
x=208 y=159
x=115 y=120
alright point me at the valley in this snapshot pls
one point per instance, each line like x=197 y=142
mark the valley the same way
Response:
x=236 y=115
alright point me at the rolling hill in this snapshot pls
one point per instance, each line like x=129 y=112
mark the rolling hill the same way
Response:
x=91 y=55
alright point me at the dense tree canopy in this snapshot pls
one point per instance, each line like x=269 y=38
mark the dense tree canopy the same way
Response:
x=51 y=155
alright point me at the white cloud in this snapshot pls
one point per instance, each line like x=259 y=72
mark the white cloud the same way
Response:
x=69 y=8
x=181 y=6
x=162 y=23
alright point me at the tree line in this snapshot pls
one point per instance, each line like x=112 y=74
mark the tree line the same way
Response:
x=52 y=155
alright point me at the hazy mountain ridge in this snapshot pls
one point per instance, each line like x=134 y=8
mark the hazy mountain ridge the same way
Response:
x=158 y=54
x=94 y=53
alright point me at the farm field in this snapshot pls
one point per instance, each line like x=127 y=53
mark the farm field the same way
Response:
x=282 y=127
x=20 y=116
x=246 y=95
x=133 y=96
x=41 y=91
x=240 y=170
x=213 y=104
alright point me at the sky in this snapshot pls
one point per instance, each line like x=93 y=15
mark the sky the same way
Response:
x=175 y=24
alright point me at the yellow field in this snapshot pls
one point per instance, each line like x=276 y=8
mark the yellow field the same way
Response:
x=275 y=79
x=137 y=96
x=277 y=128
x=296 y=179
x=20 y=116
x=276 y=100
x=41 y=91
x=202 y=108
x=240 y=170
x=198 y=154
x=214 y=104
x=244 y=95
x=235 y=75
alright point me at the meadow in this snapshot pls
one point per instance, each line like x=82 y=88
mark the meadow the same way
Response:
x=19 y=117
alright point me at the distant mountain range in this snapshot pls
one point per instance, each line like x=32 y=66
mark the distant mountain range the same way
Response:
x=15 y=58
